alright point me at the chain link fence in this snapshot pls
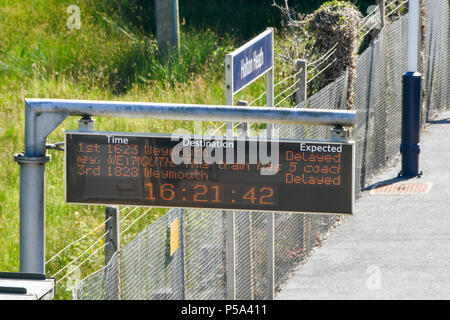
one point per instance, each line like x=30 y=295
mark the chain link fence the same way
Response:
x=144 y=268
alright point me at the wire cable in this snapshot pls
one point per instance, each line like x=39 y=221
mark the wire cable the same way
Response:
x=216 y=129
x=390 y=4
x=286 y=97
x=135 y=221
x=367 y=17
x=135 y=208
x=398 y=7
x=367 y=32
x=76 y=241
x=78 y=266
x=237 y=125
x=262 y=95
x=321 y=71
x=325 y=56
x=285 y=79
x=287 y=89
x=90 y=247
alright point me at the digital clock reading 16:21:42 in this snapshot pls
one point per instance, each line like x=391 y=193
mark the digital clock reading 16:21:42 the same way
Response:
x=202 y=193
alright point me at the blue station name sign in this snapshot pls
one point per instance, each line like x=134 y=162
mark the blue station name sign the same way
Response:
x=252 y=60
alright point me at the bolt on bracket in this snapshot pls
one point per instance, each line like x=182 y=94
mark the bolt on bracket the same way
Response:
x=339 y=133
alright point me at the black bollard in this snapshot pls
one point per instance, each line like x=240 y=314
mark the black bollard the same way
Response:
x=410 y=147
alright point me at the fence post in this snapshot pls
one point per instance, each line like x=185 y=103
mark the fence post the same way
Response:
x=382 y=6
x=382 y=10
x=112 y=230
x=301 y=71
x=167 y=26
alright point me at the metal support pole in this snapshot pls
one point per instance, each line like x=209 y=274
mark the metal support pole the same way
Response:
x=270 y=255
x=270 y=294
x=412 y=86
x=245 y=286
x=32 y=213
x=32 y=188
x=230 y=214
x=229 y=90
x=167 y=26
x=112 y=230
x=342 y=134
x=301 y=71
x=231 y=232
x=231 y=255
x=413 y=34
x=270 y=80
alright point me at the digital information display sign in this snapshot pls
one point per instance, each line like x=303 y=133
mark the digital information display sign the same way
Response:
x=140 y=169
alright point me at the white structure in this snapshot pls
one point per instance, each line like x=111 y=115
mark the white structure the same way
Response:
x=26 y=286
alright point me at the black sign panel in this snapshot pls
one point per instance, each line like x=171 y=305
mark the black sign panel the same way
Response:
x=205 y=172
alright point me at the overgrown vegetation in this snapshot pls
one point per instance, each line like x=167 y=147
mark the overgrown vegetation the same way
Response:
x=334 y=24
x=330 y=34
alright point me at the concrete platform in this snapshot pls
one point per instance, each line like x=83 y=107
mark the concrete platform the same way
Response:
x=396 y=246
